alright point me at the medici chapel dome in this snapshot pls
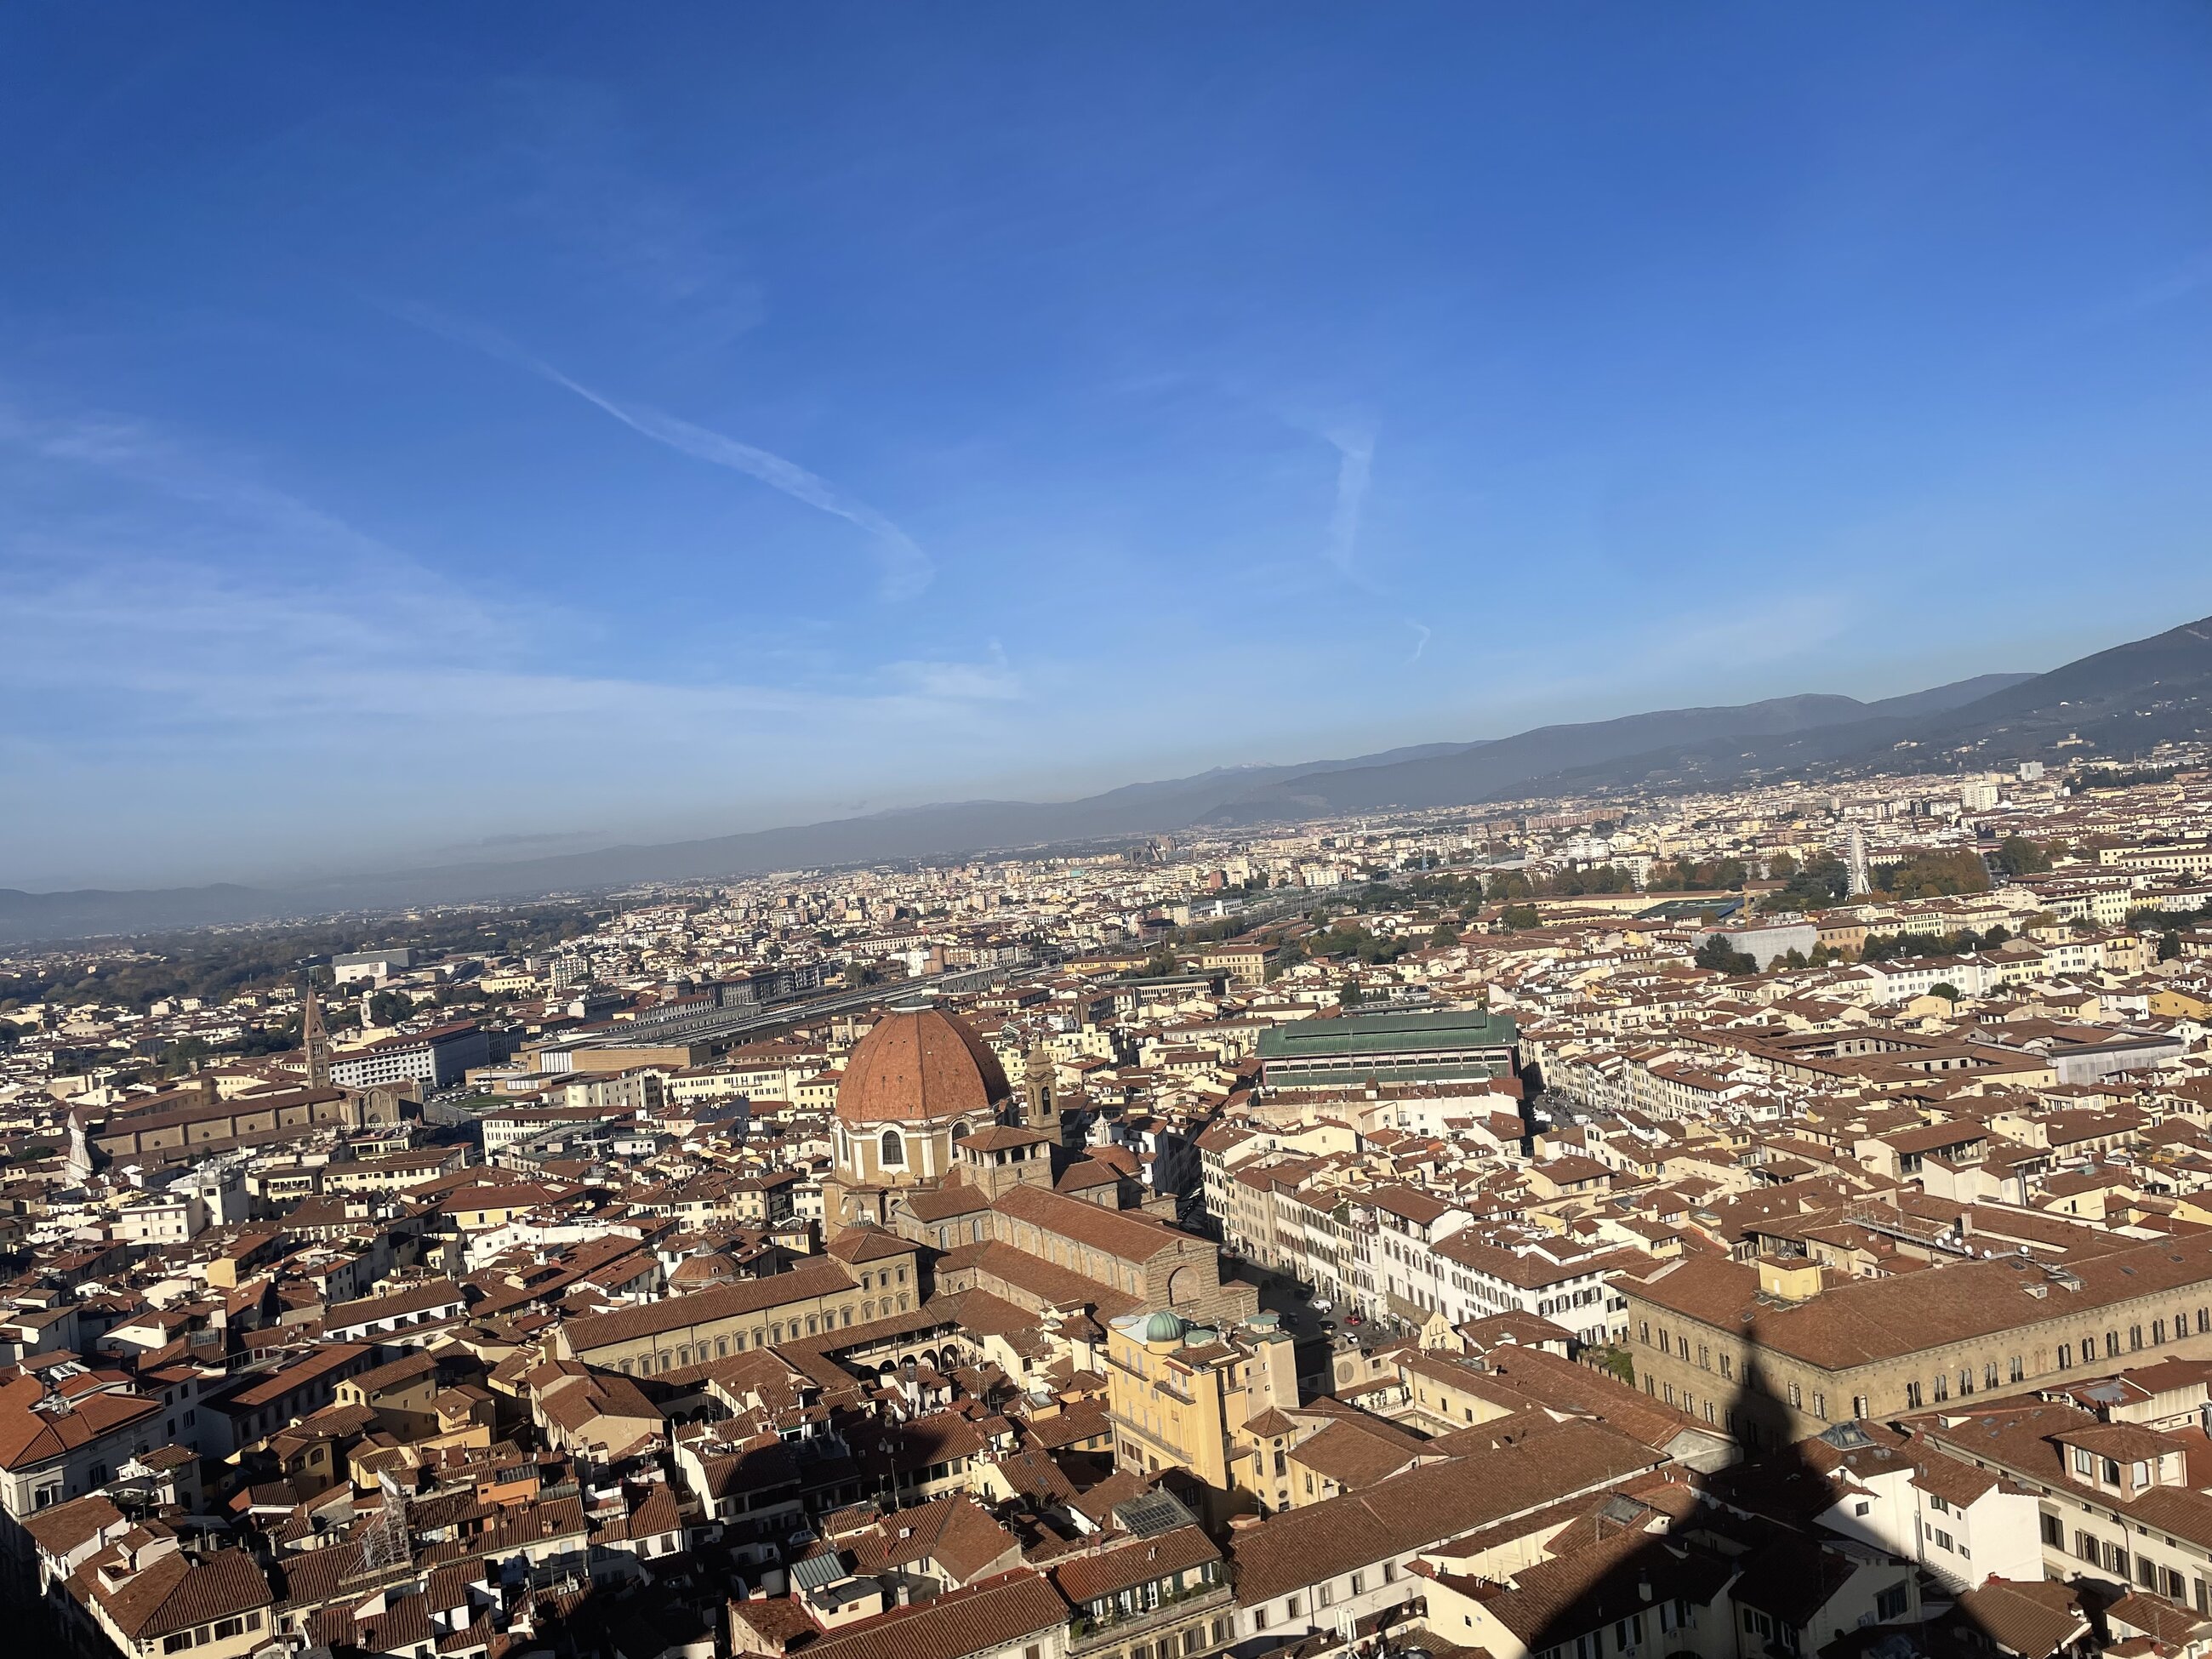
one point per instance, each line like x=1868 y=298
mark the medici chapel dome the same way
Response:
x=921 y=1065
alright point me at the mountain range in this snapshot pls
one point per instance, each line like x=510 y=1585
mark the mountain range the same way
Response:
x=2114 y=704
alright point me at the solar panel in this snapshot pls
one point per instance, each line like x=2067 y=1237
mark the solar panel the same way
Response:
x=818 y=1571
x=1154 y=1513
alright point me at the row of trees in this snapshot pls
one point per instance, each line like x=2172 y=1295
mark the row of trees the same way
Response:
x=1889 y=947
x=1350 y=939
x=1818 y=883
x=1697 y=876
x=2104 y=777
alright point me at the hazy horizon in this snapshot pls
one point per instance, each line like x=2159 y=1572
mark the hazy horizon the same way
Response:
x=519 y=430
x=521 y=846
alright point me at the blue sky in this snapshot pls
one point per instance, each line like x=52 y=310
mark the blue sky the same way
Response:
x=430 y=433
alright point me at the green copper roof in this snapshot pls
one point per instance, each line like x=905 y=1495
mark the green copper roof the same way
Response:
x=1388 y=1034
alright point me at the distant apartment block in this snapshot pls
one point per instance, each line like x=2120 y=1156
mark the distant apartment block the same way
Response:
x=440 y=1057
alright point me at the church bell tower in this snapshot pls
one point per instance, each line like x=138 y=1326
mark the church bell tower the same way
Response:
x=314 y=1041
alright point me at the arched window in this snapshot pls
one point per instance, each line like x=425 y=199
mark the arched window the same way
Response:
x=894 y=1154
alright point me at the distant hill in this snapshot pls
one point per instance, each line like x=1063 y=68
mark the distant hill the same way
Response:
x=1494 y=769
x=93 y=910
x=2115 y=704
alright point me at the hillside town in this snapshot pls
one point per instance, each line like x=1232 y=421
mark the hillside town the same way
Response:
x=1774 y=1221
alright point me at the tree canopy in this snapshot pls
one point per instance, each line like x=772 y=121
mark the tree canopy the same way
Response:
x=1934 y=875
x=1723 y=958
x=1350 y=940
x=1695 y=876
x=2017 y=855
x=390 y=1007
x=1821 y=881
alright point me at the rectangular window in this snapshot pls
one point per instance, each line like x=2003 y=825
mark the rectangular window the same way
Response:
x=2066 y=1355
x=1358 y=1583
x=2019 y=1371
x=1796 y=1396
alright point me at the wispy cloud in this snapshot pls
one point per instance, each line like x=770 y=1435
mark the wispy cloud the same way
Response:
x=1355 y=461
x=1422 y=634
x=991 y=681
x=568 y=170
x=181 y=628
x=903 y=570
x=2178 y=282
